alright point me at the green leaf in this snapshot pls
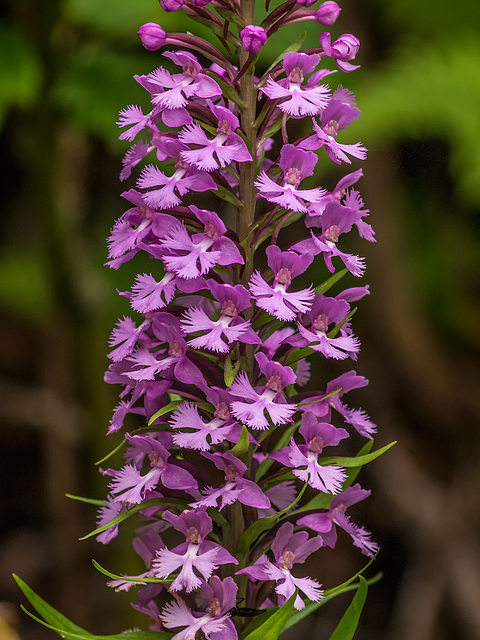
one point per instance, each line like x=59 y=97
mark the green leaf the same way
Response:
x=50 y=614
x=227 y=89
x=98 y=503
x=241 y=447
x=228 y=196
x=330 y=594
x=166 y=409
x=273 y=626
x=356 y=461
x=135 y=579
x=230 y=370
x=113 y=452
x=130 y=511
x=254 y=531
x=337 y=327
x=349 y=622
x=328 y=284
x=54 y=620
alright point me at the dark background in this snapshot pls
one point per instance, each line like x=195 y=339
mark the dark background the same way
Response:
x=66 y=71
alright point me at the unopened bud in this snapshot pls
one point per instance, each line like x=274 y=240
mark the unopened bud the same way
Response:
x=253 y=38
x=171 y=5
x=152 y=36
x=327 y=13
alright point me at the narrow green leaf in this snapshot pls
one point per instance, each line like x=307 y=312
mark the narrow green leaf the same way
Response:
x=228 y=196
x=250 y=535
x=50 y=614
x=337 y=327
x=325 y=286
x=349 y=622
x=356 y=460
x=227 y=89
x=273 y=626
x=230 y=370
x=284 y=439
x=130 y=511
x=330 y=594
x=231 y=16
x=98 y=503
x=135 y=579
x=112 y=452
x=169 y=407
x=241 y=448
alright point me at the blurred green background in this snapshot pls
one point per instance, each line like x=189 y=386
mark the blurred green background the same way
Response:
x=66 y=71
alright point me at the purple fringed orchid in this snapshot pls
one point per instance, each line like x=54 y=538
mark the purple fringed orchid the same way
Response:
x=324 y=523
x=269 y=398
x=172 y=91
x=130 y=486
x=226 y=147
x=342 y=50
x=229 y=326
x=236 y=487
x=195 y=553
x=209 y=613
x=193 y=256
x=338 y=387
x=185 y=178
x=201 y=434
x=288 y=548
x=326 y=312
x=275 y=298
x=304 y=458
x=337 y=115
x=298 y=99
x=296 y=165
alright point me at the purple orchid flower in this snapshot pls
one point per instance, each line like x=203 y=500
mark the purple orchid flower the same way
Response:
x=217 y=430
x=344 y=49
x=299 y=100
x=233 y=300
x=317 y=436
x=195 y=553
x=316 y=209
x=236 y=487
x=288 y=548
x=171 y=362
x=131 y=486
x=337 y=115
x=133 y=227
x=325 y=312
x=173 y=91
x=296 y=165
x=356 y=417
x=274 y=298
x=226 y=147
x=185 y=178
x=324 y=523
x=209 y=614
x=255 y=401
x=149 y=295
x=193 y=256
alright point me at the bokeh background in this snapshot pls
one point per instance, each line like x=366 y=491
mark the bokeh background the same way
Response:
x=66 y=71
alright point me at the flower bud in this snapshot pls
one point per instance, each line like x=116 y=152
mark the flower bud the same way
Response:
x=171 y=5
x=327 y=13
x=253 y=38
x=306 y=3
x=344 y=49
x=152 y=36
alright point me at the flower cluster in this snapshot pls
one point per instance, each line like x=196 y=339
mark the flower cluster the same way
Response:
x=215 y=358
